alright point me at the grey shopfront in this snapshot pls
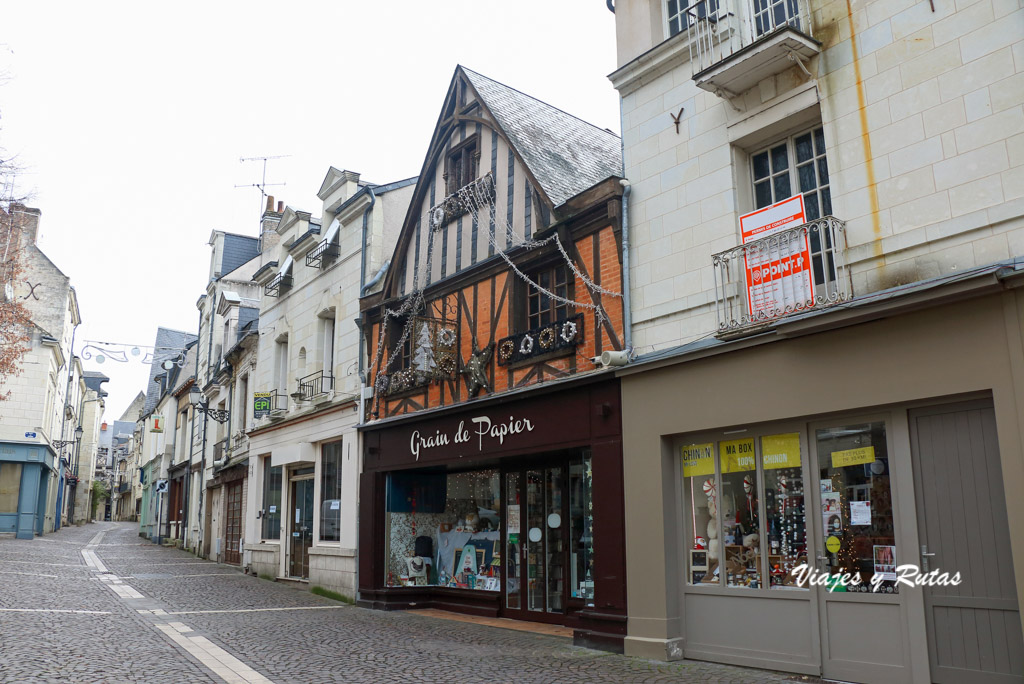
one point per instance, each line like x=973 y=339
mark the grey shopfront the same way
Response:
x=848 y=442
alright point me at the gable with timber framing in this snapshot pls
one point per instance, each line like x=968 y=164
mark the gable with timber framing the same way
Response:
x=513 y=194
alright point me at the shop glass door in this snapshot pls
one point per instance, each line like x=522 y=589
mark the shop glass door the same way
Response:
x=855 y=531
x=536 y=543
x=301 y=527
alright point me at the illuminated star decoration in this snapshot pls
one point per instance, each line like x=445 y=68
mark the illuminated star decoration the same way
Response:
x=476 y=370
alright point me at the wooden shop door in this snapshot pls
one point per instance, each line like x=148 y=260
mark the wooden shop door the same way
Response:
x=973 y=630
x=233 y=523
x=535 y=544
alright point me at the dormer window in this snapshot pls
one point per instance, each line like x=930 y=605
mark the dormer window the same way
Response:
x=328 y=248
x=461 y=168
x=282 y=281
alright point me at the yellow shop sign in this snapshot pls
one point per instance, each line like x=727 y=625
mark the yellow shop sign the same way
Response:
x=737 y=455
x=698 y=459
x=781 y=451
x=841 y=459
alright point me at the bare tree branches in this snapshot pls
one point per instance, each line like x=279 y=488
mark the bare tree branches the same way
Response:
x=15 y=320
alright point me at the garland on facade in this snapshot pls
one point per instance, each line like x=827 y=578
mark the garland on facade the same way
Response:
x=472 y=198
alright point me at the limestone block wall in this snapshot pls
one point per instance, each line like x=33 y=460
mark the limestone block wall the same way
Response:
x=923 y=119
x=334 y=569
x=264 y=559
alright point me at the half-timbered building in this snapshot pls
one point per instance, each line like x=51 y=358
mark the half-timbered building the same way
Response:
x=492 y=476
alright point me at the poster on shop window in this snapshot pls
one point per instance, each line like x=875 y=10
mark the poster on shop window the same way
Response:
x=778 y=267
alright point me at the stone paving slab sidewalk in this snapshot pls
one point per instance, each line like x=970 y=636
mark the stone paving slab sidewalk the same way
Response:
x=261 y=630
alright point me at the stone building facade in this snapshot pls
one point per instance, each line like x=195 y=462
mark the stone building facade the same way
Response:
x=826 y=222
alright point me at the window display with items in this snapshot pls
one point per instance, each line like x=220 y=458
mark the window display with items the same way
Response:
x=856 y=506
x=443 y=529
x=745 y=504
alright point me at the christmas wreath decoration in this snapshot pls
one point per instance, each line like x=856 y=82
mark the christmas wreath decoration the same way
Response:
x=446 y=337
x=437 y=217
x=506 y=350
x=547 y=338
x=447 y=365
x=569 y=331
x=526 y=346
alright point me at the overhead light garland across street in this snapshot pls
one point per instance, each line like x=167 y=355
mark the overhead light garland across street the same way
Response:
x=122 y=352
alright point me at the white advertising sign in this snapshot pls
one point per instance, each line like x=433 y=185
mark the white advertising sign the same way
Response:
x=779 y=275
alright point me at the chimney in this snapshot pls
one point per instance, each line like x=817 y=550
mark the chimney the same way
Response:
x=28 y=219
x=270 y=203
x=280 y=207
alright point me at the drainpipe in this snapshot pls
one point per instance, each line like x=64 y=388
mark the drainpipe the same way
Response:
x=366 y=221
x=627 y=285
x=63 y=422
x=376 y=278
x=611 y=5
x=627 y=311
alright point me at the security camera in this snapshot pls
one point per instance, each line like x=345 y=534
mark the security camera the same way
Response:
x=596 y=360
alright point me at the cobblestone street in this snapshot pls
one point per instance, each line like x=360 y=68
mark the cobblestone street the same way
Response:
x=98 y=604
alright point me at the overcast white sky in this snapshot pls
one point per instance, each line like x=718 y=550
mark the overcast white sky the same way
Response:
x=131 y=118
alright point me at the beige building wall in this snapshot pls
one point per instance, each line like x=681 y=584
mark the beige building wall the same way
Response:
x=924 y=129
x=692 y=395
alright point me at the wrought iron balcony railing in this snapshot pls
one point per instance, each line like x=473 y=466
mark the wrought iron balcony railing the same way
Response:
x=315 y=384
x=220 y=449
x=278 y=403
x=794 y=270
x=327 y=249
x=280 y=282
x=758 y=38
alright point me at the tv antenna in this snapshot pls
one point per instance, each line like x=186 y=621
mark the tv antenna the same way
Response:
x=263 y=184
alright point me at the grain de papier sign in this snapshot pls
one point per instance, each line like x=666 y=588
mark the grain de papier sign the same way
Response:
x=779 y=275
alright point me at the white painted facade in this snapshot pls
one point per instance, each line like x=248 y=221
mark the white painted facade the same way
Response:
x=308 y=334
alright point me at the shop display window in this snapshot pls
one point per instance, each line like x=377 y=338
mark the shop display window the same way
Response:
x=738 y=506
x=785 y=520
x=744 y=499
x=10 y=486
x=444 y=529
x=271 y=500
x=856 y=505
x=330 y=492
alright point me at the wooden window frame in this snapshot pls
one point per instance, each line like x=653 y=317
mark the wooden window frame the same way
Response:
x=526 y=318
x=462 y=165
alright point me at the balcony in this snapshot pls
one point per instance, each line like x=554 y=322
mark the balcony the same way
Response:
x=795 y=270
x=315 y=384
x=280 y=282
x=322 y=253
x=560 y=336
x=473 y=195
x=123 y=487
x=278 y=403
x=734 y=44
x=221 y=451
